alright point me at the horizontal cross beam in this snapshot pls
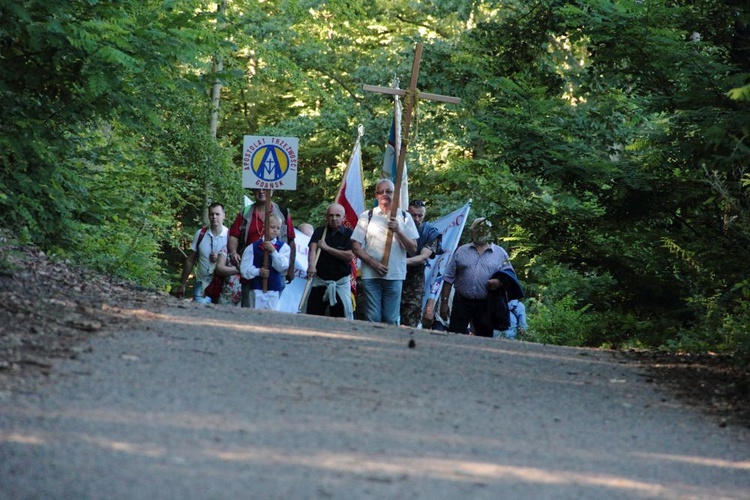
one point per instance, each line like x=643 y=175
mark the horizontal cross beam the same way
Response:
x=401 y=92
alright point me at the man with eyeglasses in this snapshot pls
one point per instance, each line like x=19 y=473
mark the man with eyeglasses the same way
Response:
x=383 y=283
x=427 y=246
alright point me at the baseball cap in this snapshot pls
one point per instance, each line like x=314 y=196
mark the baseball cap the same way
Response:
x=480 y=221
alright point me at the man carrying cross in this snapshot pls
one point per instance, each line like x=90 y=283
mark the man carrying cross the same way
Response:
x=383 y=300
x=383 y=282
x=411 y=97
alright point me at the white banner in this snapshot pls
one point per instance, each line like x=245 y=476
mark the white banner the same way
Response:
x=293 y=291
x=450 y=226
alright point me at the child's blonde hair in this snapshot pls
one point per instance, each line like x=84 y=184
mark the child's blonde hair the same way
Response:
x=276 y=218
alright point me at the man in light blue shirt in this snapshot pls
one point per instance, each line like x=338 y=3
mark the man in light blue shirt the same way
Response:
x=470 y=272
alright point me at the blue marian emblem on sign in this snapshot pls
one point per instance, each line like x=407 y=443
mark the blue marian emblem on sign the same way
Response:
x=270 y=163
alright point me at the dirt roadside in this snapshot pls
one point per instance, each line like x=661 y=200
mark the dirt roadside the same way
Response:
x=49 y=308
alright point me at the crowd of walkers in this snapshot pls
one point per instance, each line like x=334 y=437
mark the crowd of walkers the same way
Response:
x=250 y=263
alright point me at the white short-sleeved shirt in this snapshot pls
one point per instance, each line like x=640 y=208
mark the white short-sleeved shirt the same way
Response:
x=210 y=243
x=371 y=233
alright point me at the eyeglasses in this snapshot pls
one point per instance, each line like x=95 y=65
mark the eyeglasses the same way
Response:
x=384 y=191
x=416 y=203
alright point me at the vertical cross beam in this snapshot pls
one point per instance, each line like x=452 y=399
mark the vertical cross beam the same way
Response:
x=410 y=100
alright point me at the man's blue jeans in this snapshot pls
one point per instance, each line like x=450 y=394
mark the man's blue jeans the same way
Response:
x=198 y=293
x=382 y=300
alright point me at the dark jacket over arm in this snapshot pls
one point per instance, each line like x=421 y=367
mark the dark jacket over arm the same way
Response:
x=498 y=316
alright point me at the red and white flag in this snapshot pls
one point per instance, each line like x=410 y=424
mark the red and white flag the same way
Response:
x=352 y=197
x=351 y=193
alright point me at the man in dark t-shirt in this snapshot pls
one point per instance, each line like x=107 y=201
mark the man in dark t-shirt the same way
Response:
x=329 y=266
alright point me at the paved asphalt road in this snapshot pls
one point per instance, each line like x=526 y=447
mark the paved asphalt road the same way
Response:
x=202 y=402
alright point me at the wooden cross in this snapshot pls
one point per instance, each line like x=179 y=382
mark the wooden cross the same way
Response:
x=411 y=97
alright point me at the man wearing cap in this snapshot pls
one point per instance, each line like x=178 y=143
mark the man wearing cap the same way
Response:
x=471 y=271
x=427 y=245
x=383 y=282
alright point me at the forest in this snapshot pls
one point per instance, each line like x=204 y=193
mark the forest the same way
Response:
x=608 y=141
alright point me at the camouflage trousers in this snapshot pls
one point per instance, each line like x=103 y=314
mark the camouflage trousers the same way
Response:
x=411 y=298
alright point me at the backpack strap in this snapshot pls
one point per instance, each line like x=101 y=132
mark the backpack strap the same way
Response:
x=369 y=215
x=243 y=228
x=513 y=311
x=200 y=238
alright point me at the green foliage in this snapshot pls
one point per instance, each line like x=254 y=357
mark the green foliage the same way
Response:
x=740 y=93
x=559 y=304
x=7 y=266
x=723 y=328
x=99 y=148
x=607 y=140
x=560 y=323
x=614 y=158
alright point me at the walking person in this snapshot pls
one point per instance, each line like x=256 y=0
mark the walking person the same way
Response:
x=306 y=229
x=249 y=227
x=382 y=283
x=330 y=271
x=518 y=326
x=252 y=270
x=473 y=272
x=204 y=251
x=231 y=288
x=427 y=246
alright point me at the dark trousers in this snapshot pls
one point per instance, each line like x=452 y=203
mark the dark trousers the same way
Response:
x=465 y=311
x=317 y=306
